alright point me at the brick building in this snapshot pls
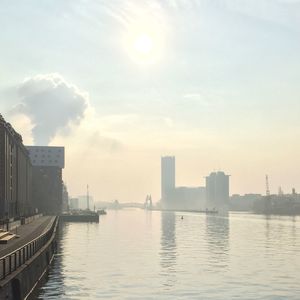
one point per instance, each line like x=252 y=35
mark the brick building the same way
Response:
x=15 y=174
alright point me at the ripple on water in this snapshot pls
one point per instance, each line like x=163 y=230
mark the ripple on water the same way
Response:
x=152 y=255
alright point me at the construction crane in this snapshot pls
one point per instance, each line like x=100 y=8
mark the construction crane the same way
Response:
x=267 y=186
x=87 y=198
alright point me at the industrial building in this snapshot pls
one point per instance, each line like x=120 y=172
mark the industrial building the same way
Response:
x=15 y=174
x=47 y=190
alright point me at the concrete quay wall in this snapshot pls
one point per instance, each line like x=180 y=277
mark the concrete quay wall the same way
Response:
x=24 y=281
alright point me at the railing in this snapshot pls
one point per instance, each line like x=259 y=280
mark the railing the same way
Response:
x=10 y=262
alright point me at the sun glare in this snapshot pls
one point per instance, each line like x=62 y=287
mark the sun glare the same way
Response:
x=144 y=47
x=143 y=44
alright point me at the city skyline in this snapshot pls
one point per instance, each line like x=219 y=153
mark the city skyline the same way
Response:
x=214 y=83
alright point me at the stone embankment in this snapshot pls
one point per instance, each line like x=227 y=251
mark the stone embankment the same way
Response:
x=24 y=260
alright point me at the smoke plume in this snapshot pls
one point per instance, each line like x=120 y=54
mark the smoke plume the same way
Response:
x=52 y=104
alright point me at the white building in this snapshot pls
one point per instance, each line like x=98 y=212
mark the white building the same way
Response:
x=83 y=202
x=74 y=203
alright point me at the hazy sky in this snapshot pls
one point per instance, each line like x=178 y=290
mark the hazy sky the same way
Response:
x=120 y=83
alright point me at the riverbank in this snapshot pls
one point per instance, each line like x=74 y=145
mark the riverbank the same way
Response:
x=25 y=260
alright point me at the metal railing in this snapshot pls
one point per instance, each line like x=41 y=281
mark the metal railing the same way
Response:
x=12 y=261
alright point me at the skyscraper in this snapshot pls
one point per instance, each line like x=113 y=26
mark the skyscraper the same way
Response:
x=167 y=178
x=217 y=189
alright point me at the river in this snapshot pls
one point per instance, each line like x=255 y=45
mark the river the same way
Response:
x=136 y=254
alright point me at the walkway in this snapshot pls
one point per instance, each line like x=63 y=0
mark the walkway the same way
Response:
x=27 y=233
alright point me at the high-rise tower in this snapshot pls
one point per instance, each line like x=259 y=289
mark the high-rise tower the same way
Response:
x=217 y=189
x=167 y=177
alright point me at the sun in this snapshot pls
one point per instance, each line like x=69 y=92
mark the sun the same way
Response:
x=144 y=44
x=144 y=47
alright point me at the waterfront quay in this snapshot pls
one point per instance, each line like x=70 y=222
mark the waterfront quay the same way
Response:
x=32 y=196
x=87 y=216
x=24 y=260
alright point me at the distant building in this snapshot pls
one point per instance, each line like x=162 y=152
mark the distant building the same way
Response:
x=217 y=190
x=15 y=174
x=243 y=202
x=188 y=198
x=83 y=202
x=65 y=198
x=180 y=198
x=74 y=203
x=281 y=204
x=167 y=179
x=47 y=191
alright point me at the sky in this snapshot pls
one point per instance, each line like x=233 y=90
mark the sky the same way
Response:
x=122 y=83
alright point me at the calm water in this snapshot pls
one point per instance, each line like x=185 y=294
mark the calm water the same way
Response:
x=135 y=254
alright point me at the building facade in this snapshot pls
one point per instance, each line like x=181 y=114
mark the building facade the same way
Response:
x=74 y=203
x=47 y=190
x=188 y=198
x=167 y=179
x=15 y=174
x=217 y=190
x=85 y=202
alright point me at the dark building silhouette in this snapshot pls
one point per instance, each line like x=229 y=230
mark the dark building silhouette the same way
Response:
x=47 y=190
x=217 y=189
x=15 y=174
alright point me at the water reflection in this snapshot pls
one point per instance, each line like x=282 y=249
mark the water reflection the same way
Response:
x=164 y=257
x=277 y=229
x=56 y=290
x=168 y=248
x=217 y=232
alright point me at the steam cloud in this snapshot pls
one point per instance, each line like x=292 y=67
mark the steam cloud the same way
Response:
x=52 y=104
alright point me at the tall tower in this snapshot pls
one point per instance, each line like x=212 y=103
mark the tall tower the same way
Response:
x=167 y=177
x=217 y=189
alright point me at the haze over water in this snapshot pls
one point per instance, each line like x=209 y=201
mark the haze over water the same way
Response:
x=135 y=254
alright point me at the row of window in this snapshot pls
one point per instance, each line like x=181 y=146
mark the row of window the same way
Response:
x=43 y=155
x=43 y=150
x=49 y=161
